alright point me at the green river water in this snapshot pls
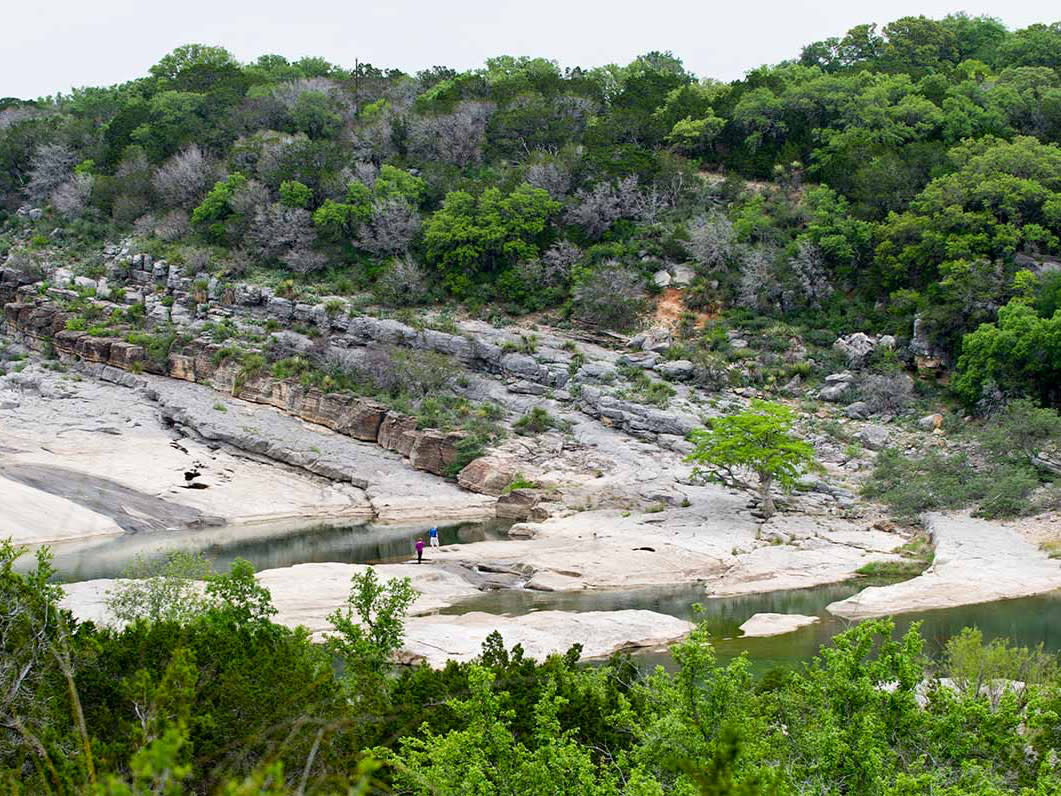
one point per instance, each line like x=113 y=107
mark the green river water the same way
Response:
x=1027 y=621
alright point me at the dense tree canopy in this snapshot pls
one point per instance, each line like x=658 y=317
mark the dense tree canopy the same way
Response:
x=903 y=171
x=219 y=699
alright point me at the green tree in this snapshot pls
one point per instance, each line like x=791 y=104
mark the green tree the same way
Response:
x=166 y=589
x=370 y=627
x=1020 y=355
x=216 y=207
x=756 y=441
x=471 y=236
x=239 y=594
x=295 y=194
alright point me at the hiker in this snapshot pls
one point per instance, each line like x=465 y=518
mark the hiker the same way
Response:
x=419 y=551
x=432 y=536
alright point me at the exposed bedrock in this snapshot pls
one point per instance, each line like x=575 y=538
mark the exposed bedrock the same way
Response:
x=976 y=562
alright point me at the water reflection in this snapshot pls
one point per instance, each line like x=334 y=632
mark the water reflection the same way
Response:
x=266 y=548
x=1028 y=621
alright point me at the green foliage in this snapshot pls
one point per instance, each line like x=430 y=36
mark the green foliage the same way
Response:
x=216 y=207
x=757 y=440
x=226 y=701
x=535 y=421
x=1000 y=486
x=1020 y=354
x=295 y=194
x=644 y=389
x=370 y=627
x=167 y=589
x=473 y=236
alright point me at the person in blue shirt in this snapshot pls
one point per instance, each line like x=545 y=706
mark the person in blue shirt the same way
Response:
x=433 y=536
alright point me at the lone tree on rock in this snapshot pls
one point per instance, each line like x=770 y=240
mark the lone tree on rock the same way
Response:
x=756 y=441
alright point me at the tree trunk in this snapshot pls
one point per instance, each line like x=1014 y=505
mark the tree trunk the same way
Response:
x=766 y=497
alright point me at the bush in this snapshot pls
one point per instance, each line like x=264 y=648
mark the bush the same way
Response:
x=536 y=421
x=911 y=485
x=1021 y=354
x=612 y=296
x=184 y=179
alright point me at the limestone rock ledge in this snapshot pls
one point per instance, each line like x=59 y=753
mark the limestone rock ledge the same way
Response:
x=976 y=562
x=768 y=624
x=436 y=639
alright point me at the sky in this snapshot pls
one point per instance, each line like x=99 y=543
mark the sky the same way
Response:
x=51 y=47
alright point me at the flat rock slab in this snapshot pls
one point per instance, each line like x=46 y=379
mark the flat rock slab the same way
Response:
x=436 y=639
x=976 y=562
x=768 y=624
x=304 y=594
x=396 y=491
x=101 y=462
x=131 y=510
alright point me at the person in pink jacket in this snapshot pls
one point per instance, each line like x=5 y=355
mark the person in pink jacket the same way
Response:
x=419 y=551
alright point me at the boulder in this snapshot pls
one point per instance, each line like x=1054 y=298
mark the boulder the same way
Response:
x=488 y=475
x=834 y=392
x=644 y=360
x=125 y=355
x=662 y=278
x=683 y=275
x=873 y=437
x=856 y=347
x=792 y=387
x=676 y=370
x=434 y=451
x=769 y=624
x=658 y=339
x=930 y=422
x=517 y=504
x=597 y=371
x=396 y=433
x=859 y=410
x=522 y=365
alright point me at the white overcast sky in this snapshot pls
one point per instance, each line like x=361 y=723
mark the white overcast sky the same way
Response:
x=52 y=46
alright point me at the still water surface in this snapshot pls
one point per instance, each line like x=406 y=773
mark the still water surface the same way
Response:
x=1028 y=621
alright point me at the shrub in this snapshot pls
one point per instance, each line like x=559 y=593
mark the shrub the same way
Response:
x=611 y=296
x=295 y=194
x=1021 y=354
x=184 y=179
x=52 y=165
x=910 y=485
x=712 y=241
x=536 y=421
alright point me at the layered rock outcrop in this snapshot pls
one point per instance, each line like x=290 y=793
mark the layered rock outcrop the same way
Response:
x=40 y=323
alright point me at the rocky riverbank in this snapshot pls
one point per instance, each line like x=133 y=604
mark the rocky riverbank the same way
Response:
x=306 y=594
x=82 y=457
x=976 y=562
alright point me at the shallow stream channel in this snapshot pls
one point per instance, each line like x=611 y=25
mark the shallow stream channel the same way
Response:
x=1028 y=621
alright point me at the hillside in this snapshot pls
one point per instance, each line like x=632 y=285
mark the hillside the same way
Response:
x=633 y=340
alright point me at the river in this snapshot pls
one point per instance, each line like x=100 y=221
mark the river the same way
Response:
x=1027 y=621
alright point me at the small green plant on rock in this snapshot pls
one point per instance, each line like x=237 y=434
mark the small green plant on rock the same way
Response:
x=519 y=481
x=536 y=421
